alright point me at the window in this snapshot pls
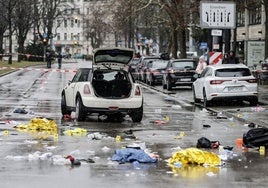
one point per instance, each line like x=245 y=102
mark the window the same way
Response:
x=65 y=36
x=65 y=23
x=72 y=23
x=72 y=36
x=78 y=36
x=58 y=23
x=240 y=18
x=239 y=72
x=58 y=36
x=255 y=15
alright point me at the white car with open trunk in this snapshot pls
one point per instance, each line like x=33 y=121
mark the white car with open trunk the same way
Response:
x=107 y=88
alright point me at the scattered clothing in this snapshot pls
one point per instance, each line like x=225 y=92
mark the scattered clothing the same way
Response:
x=131 y=155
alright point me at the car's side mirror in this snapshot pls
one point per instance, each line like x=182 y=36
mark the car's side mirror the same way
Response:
x=196 y=76
x=69 y=82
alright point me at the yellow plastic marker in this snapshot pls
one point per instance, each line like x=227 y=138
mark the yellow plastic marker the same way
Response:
x=262 y=150
x=118 y=138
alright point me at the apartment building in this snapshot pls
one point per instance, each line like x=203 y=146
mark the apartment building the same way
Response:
x=75 y=29
x=250 y=33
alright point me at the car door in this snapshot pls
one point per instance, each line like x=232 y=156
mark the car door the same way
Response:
x=70 y=90
x=200 y=82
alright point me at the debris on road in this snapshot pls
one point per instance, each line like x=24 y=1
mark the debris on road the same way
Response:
x=75 y=132
x=195 y=156
x=40 y=127
x=131 y=155
x=256 y=137
x=20 y=111
x=204 y=142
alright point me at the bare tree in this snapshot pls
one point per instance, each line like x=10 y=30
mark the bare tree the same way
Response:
x=265 y=2
x=3 y=26
x=95 y=27
x=46 y=12
x=22 y=22
x=9 y=7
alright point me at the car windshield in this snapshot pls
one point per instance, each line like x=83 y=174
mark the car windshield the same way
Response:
x=232 y=72
x=158 y=64
x=183 y=64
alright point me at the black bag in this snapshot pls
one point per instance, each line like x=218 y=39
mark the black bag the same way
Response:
x=203 y=142
x=256 y=137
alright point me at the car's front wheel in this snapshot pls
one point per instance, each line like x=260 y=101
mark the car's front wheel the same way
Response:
x=137 y=115
x=80 y=114
x=64 y=110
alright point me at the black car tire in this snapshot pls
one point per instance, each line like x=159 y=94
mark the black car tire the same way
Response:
x=253 y=101
x=164 y=84
x=206 y=103
x=64 y=110
x=137 y=115
x=169 y=86
x=79 y=110
x=151 y=83
x=196 y=100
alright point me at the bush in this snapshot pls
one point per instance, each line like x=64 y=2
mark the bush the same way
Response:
x=36 y=51
x=88 y=57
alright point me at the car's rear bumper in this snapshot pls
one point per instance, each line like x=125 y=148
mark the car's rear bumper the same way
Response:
x=231 y=96
x=110 y=103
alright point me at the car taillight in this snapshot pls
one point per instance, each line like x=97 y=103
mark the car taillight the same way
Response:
x=154 y=72
x=170 y=71
x=252 y=80
x=214 y=82
x=86 y=89
x=137 y=91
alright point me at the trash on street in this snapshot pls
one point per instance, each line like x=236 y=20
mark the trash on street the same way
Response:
x=75 y=132
x=131 y=155
x=195 y=156
x=40 y=127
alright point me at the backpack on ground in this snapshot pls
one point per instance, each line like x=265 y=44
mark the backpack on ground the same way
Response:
x=256 y=137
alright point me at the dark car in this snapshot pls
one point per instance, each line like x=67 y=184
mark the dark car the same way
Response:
x=155 y=71
x=133 y=67
x=179 y=72
x=142 y=66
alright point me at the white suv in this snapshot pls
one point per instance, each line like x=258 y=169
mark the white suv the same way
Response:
x=107 y=88
x=226 y=81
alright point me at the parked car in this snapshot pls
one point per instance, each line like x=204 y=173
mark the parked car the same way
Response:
x=226 y=81
x=133 y=67
x=155 y=71
x=142 y=66
x=106 y=89
x=179 y=72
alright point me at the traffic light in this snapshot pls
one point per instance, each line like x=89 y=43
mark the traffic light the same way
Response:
x=44 y=41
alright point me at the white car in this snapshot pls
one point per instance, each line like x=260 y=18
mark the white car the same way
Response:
x=107 y=88
x=225 y=81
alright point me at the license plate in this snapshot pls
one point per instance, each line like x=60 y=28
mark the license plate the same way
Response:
x=235 y=88
x=185 y=79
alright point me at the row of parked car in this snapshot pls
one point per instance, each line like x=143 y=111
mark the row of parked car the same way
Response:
x=216 y=82
x=170 y=73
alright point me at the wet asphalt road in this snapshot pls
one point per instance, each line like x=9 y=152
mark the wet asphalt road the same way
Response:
x=38 y=93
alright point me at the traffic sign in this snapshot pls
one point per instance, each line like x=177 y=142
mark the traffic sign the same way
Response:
x=217 y=14
x=216 y=32
x=203 y=45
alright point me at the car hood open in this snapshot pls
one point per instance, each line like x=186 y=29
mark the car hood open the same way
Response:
x=113 y=56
